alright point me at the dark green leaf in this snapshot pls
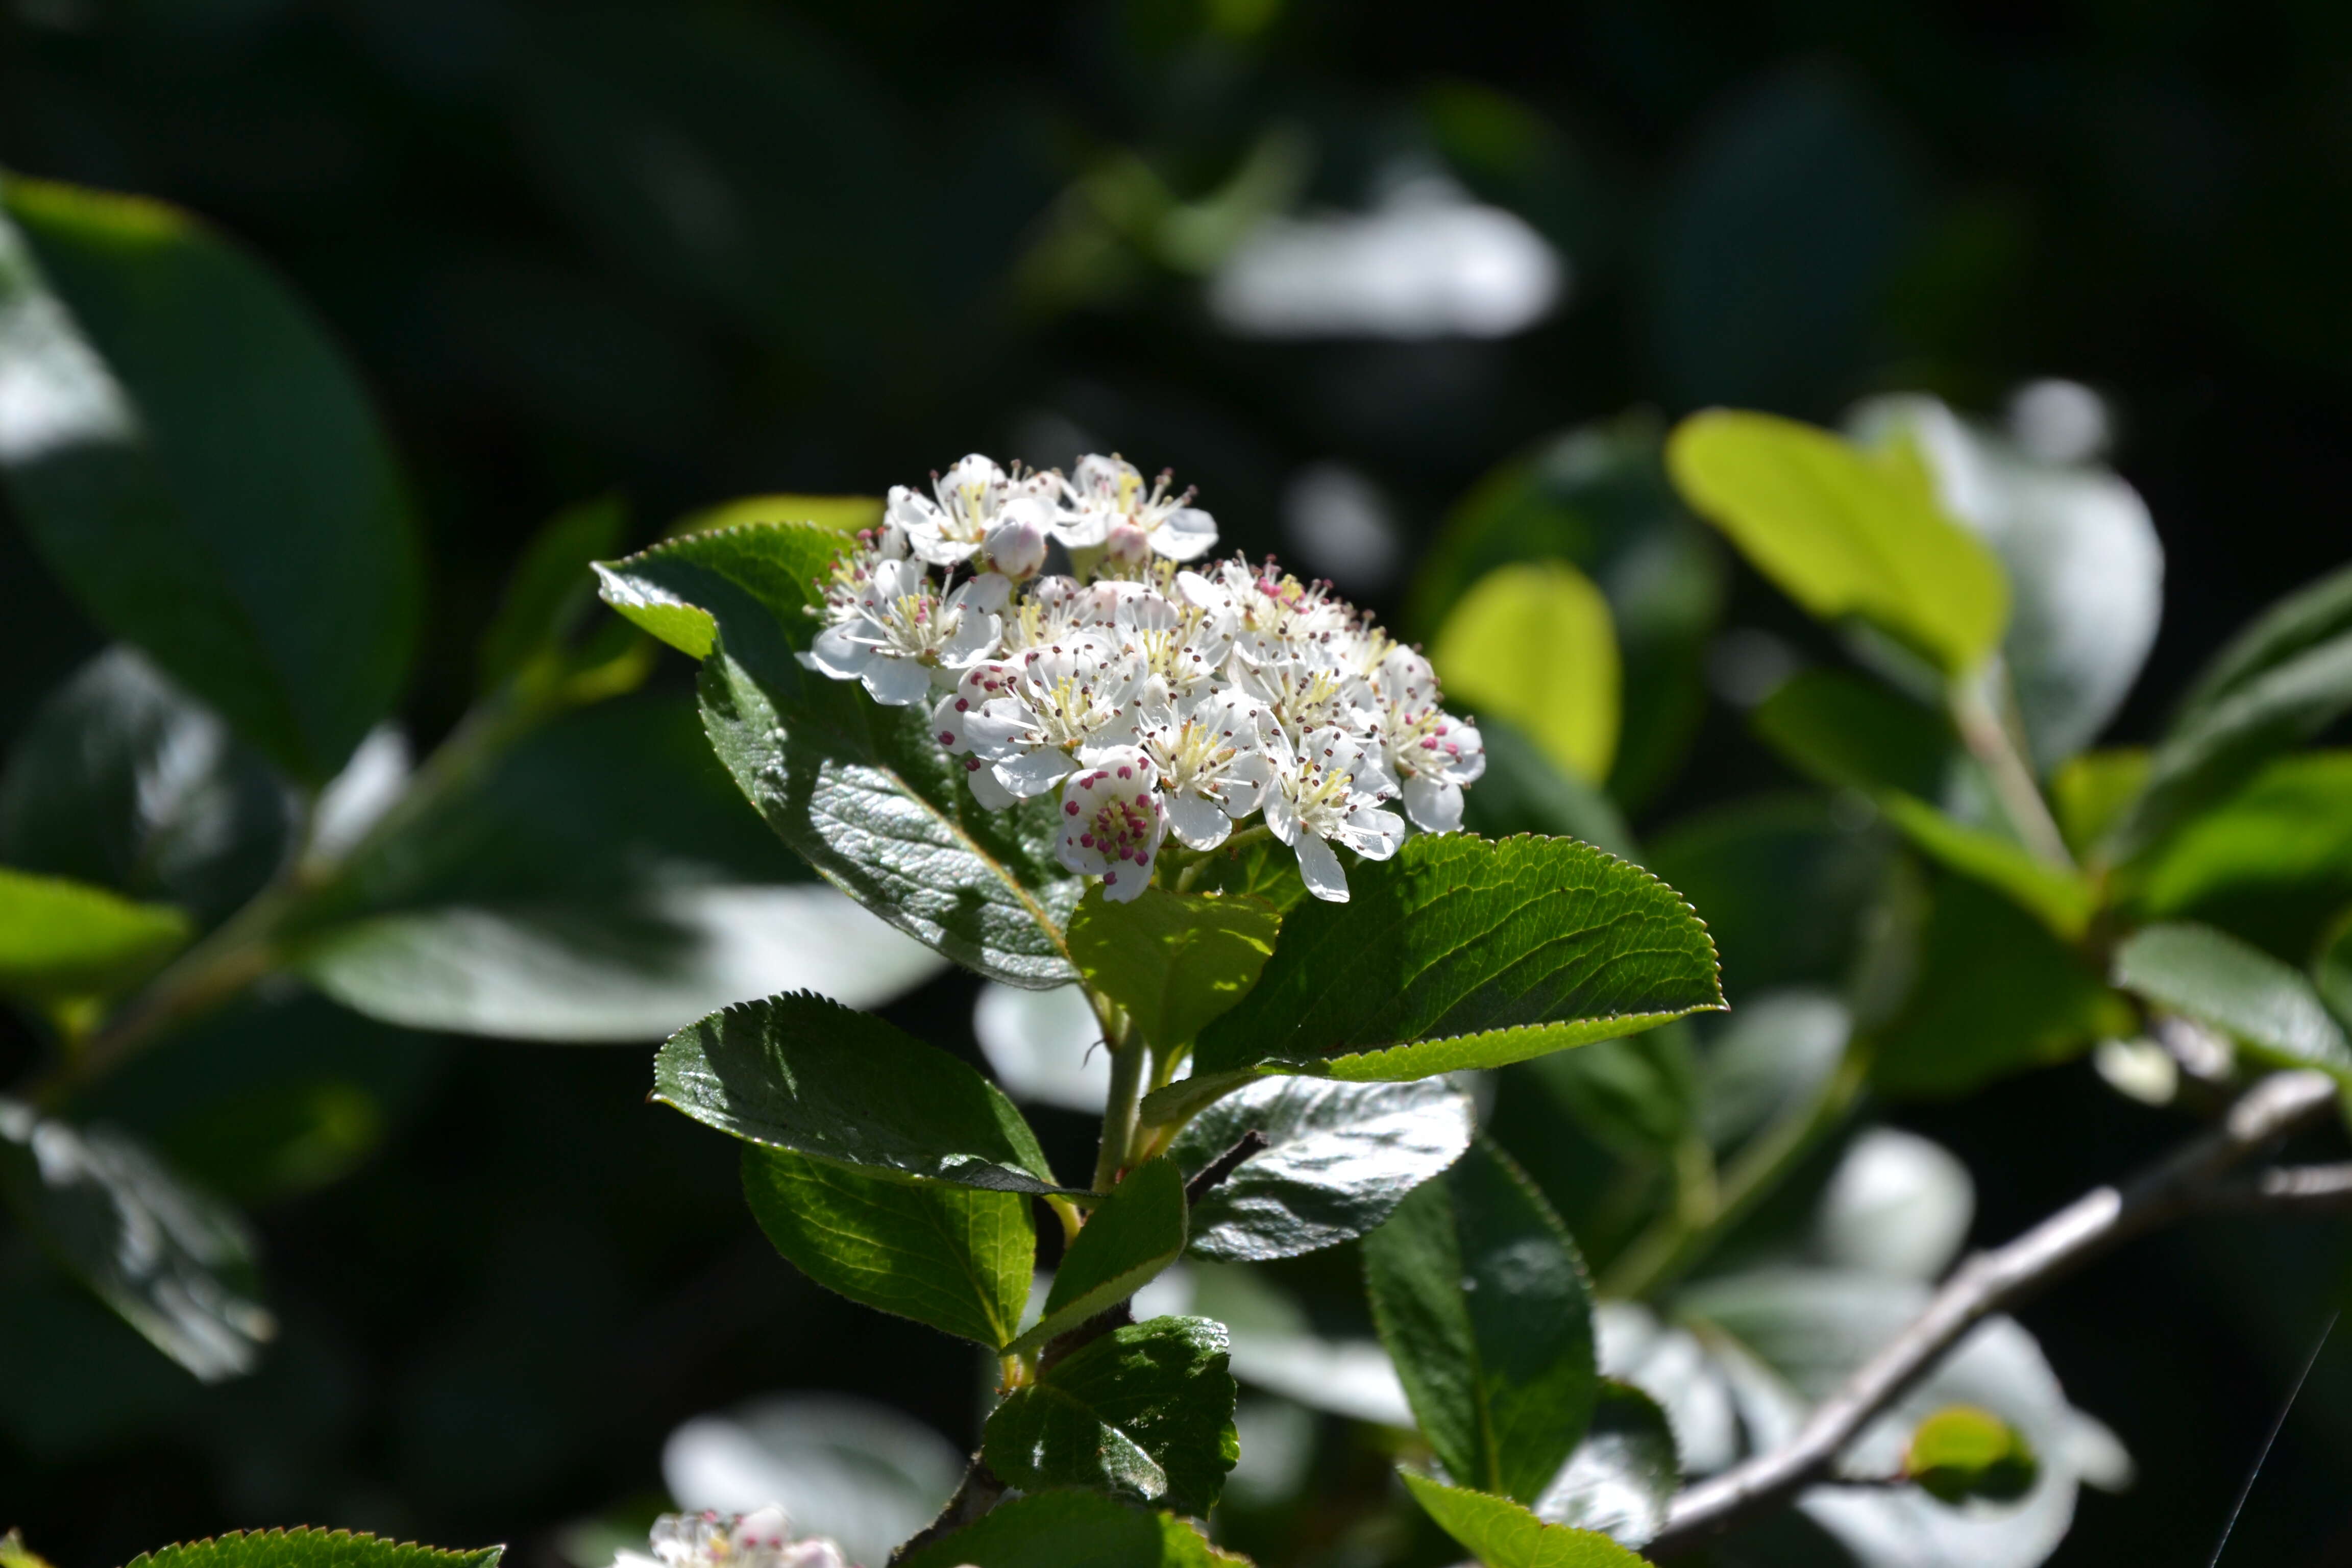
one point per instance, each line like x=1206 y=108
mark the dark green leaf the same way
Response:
x=2238 y=989
x=305 y=1548
x=957 y=1258
x=1770 y=1056
x=1963 y=1451
x=1481 y=1299
x=2273 y=863
x=1852 y=733
x=1340 y=1158
x=125 y=780
x=1132 y=1235
x=1636 y=1095
x=802 y=1072
x=1995 y=993
x=2331 y=972
x=2287 y=677
x=1174 y=961
x=1063 y=1529
x=861 y=790
x=2092 y=791
x=1783 y=882
x=1502 y=1534
x=1458 y=953
x=1843 y=532
x=1522 y=792
x=1533 y=643
x=201 y=468
x=1625 y=1474
x=1145 y=1411
x=174 y=1263
x=550 y=589
x=61 y=939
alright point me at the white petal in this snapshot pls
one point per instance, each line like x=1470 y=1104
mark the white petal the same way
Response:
x=986 y=591
x=1281 y=815
x=911 y=512
x=986 y=790
x=1081 y=530
x=1124 y=884
x=995 y=729
x=1197 y=822
x=1433 y=804
x=1374 y=834
x=1187 y=534
x=839 y=654
x=1034 y=773
x=948 y=726
x=934 y=546
x=1320 y=869
x=974 y=640
x=897 y=682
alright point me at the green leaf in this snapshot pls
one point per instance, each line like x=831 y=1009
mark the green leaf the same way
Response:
x=864 y=792
x=123 y=780
x=1131 y=1236
x=2273 y=863
x=1636 y=1095
x=2283 y=680
x=2090 y=793
x=60 y=940
x=1338 y=1160
x=1995 y=994
x=1146 y=1411
x=1502 y=1534
x=1786 y=881
x=173 y=1262
x=200 y=467
x=2238 y=989
x=1174 y=961
x=957 y=1258
x=549 y=589
x=1522 y=790
x=1459 y=952
x=1844 y=532
x=1062 y=1529
x=1481 y=1299
x=1533 y=643
x=802 y=1072
x=1848 y=731
x=835 y=514
x=1623 y=1478
x=305 y=1548
x=1964 y=1450
x=2331 y=972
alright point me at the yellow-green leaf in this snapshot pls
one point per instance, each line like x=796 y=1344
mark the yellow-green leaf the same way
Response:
x=1502 y=1534
x=1533 y=643
x=61 y=939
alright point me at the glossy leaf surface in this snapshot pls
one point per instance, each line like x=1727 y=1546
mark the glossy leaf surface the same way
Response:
x=1459 y=952
x=1069 y=1529
x=957 y=1258
x=802 y=1072
x=1340 y=1158
x=1146 y=1412
x=1623 y=1476
x=1132 y=1235
x=1480 y=1296
x=2238 y=989
x=305 y=1548
x=1502 y=1534
x=198 y=464
x=864 y=792
x=1174 y=961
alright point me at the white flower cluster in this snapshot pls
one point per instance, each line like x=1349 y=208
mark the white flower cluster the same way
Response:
x=1158 y=697
x=758 y=1540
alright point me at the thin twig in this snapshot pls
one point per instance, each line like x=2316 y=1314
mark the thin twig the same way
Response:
x=1250 y=1143
x=978 y=1494
x=2183 y=1183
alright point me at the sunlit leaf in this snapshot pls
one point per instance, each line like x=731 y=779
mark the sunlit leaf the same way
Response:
x=2238 y=989
x=1843 y=532
x=2273 y=863
x=307 y=1548
x=1502 y=1534
x=1134 y=1234
x=198 y=465
x=957 y=1258
x=1962 y=1451
x=60 y=939
x=1174 y=961
x=835 y=514
x=1145 y=1411
x=1481 y=1298
x=1534 y=644
x=864 y=792
x=1069 y=1529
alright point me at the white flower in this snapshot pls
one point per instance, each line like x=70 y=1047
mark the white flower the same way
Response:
x=1030 y=720
x=1109 y=506
x=972 y=496
x=1052 y=609
x=1306 y=690
x=853 y=569
x=1273 y=611
x=1113 y=821
x=1429 y=751
x=1330 y=788
x=1210 y=753
x=899 y=632
x=756 y=1539
x=1183 y=644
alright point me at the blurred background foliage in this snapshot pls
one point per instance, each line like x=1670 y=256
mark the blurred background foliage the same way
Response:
x=1412 y=293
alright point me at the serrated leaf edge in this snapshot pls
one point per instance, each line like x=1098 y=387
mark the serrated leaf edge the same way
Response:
x=309 y=1531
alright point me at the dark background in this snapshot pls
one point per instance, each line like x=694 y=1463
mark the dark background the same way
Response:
x=682 y=252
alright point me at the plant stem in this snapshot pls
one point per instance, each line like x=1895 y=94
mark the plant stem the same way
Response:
x=1680 y=1239
x=1128 y=1064
x=2002 y=753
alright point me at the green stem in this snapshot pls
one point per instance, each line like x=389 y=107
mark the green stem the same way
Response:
x=1680 y=1239
x=1127 y=1064
x=2002 y=755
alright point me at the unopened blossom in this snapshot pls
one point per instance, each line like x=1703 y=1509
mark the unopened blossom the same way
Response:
x=900 y=632
x=1113 y=820
x=1432 y=754
x=1150 y=692
x=1327 y=789
x=756 y=1539
x=1130 y=522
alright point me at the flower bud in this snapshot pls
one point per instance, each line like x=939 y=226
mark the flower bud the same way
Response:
x=1015 y=542
x=1126 y=545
